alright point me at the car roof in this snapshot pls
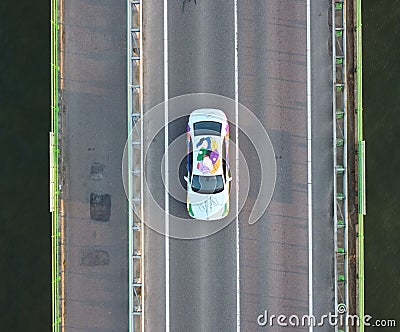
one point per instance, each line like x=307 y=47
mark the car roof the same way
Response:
x=207 y=159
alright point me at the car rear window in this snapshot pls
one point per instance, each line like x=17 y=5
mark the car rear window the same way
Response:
x=207 y=128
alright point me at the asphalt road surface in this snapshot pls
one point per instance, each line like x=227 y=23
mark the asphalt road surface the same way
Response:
x=274 y=257
x=94 y=122
x=200 y=292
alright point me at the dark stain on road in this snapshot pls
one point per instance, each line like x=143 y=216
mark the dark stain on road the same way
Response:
x=94 y=257
x=100 y=207
x=184 y=2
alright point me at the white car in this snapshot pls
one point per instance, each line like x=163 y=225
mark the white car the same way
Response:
x=208 y=176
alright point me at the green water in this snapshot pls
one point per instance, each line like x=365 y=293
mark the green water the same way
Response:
x=381 y=31
x=25 y=265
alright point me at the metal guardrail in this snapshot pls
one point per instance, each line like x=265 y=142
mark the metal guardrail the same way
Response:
x=361 y=166
x=340 y=160
x=54 y=153
x=340 y=156
x=135 y=164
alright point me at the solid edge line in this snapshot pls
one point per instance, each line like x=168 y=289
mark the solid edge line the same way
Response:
x=166 y=179
x=142 y=165
x=309 y=169
x=237 y=169
x=129 y=152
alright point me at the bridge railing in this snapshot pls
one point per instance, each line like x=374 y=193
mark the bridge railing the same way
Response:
x=340 y=139
x=135 y=164
x=54 y=155
x=341 y=217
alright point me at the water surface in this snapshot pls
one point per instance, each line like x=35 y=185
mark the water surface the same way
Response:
x=381 y=31
x=25 y=278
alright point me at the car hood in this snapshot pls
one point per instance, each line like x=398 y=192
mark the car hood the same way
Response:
x=208 y=207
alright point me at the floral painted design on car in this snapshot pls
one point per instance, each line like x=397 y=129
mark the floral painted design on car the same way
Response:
x=208 y=160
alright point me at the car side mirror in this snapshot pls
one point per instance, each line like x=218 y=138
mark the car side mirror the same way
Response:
x=229 y=179
x=186 y=179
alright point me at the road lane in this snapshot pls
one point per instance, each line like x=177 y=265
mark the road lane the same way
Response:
x=272 y=83
x=202 y=272
x=201 y=48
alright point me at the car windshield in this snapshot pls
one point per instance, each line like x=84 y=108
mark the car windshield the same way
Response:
x=207 y=128
x=207 y=184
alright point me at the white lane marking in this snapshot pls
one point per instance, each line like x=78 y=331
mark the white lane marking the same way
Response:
x=166 y=170
x=237 y=170
x=334 y=159
x=309 y=169
x=141 y=157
